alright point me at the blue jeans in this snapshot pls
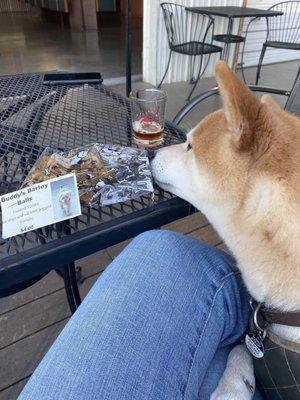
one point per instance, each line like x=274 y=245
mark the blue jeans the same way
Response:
x=158 y=324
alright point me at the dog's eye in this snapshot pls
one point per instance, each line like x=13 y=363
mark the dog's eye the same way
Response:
x=189 y=147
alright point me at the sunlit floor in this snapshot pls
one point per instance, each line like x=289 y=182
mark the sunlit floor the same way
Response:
x=280 y=75
x=28 y=44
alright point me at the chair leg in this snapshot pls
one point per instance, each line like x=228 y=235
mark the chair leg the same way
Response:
x=192 y=69
x=73 y=280
x=197 y=80
x=168 y=65
x=262 y=54
x=64 y=272
x=68 y=273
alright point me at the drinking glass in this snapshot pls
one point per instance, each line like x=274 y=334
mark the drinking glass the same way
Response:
x=148 y=116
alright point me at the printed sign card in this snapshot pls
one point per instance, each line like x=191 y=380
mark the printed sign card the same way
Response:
x=39 y=205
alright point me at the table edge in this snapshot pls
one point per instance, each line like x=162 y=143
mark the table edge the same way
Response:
x=266 y=13
x=64 y=249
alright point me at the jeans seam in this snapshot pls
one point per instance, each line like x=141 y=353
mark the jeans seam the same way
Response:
x=205 y=324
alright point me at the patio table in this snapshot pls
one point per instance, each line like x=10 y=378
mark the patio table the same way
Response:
x=34 y=116
x=232 y=12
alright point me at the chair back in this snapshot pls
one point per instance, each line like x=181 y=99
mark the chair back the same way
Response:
x=293 y=102
x=285 y=28
x=292 y=105
x=183 y=26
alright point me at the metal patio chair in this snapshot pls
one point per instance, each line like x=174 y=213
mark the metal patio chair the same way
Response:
x=292 y=104
x=189 y=34
x=283 y=32
x=227 y=39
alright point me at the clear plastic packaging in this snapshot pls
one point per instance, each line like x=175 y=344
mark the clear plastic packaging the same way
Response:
x=106 y=174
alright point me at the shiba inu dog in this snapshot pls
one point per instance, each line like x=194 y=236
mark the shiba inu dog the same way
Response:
x=241 y=167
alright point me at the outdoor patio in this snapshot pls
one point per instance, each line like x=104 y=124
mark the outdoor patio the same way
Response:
x=31 y=320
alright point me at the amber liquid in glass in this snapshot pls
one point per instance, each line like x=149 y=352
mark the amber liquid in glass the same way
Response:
x=147 y=133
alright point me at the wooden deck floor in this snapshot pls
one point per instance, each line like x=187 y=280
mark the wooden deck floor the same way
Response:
x=32 y=319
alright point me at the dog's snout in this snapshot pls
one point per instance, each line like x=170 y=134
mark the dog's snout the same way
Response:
x=156 y=165
x=151 y=153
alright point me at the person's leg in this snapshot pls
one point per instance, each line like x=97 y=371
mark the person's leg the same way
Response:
x=159 y=315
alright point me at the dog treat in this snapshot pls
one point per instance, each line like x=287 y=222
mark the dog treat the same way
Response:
x=106 y=174
x=130 y=171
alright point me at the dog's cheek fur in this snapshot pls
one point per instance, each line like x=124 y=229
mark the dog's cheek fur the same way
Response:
x=170 y=169
x=218 y=157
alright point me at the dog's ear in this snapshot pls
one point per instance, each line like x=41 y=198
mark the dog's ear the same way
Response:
x=270 y=102
x=241 y=106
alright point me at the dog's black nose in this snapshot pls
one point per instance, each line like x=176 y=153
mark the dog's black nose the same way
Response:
x=151 y=153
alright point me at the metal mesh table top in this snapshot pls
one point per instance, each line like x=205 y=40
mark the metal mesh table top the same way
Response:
x=34 y=116
x=234 y=12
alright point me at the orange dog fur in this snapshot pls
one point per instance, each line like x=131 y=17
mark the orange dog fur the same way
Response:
x=241 y=167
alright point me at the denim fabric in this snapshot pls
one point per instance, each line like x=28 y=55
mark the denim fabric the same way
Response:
x=158 y=324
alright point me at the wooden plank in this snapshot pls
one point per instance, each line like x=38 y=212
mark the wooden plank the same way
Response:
x=52 y=282
x=25 y=355
x=94 y=263
x=187 y=224
x=183 y=225
x=27 y=320
x=30 y=318
x=207 y=235
x=22 y=358
x=113 y=251
x=45 y=286
x=223 y=246
x=13 y=391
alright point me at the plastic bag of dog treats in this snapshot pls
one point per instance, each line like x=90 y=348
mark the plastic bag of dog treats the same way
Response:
x=106 y=174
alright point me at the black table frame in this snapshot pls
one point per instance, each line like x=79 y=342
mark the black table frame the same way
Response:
x=231 y=13
x=128 y=45
x=29 y=265
x=60 y=255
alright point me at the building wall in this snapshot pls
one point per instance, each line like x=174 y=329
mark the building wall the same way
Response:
x=13 y=6
x=156 y=48
x=256 y=37
x=136 y=7
x=107 y=5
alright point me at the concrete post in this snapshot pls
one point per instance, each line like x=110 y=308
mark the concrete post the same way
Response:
x=76 y=15
x=90 y=15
